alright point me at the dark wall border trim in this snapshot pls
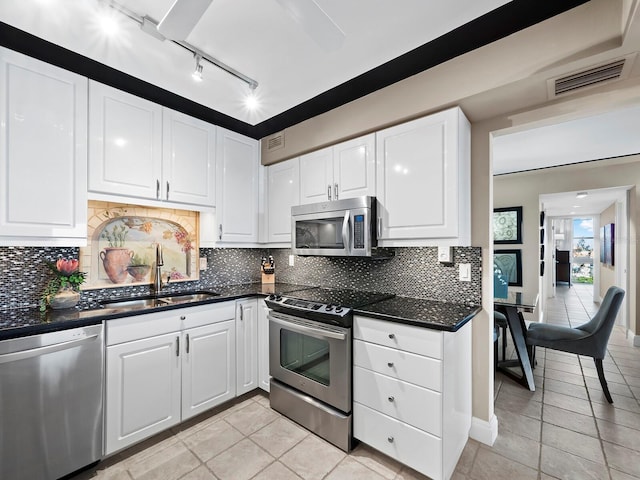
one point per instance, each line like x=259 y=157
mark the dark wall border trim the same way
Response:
x=500 y=23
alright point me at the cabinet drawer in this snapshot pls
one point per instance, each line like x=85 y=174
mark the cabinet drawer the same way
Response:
x=408 y=403
x=422 y=341
x=408 y=445
x=137 y=327
x=409 y=367
x=207 y=314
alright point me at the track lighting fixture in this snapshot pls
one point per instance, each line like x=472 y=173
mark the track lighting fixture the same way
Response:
x=197 y=72
x=150 y=26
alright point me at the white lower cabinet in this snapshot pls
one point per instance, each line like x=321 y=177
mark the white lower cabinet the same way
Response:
x=412 y=393
x=162 y=368
x=247 y=345
x=263 y=346
x=208 y=367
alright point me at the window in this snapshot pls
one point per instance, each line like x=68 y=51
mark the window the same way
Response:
x=582 y=251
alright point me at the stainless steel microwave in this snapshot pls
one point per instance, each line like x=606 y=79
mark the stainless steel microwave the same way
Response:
x=341 y=228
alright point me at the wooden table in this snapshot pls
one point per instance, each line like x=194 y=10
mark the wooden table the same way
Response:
x=512 y=307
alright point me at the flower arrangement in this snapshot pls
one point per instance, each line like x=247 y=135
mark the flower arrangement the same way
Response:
x=67 y=277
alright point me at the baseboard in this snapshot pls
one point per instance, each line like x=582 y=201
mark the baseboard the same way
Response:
x=483 y=431
x=634 y=340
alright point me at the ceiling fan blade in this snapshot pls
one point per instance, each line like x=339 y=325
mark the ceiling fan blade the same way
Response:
x=315 y=22
x=182 y=17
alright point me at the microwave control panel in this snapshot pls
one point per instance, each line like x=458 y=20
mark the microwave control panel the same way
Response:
x=358 y=231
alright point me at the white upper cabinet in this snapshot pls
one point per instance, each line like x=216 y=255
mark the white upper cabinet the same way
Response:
x=316 y=176
x=283 y=193
x=345 y=170
x=142 y=150
x=43 y=153
x=423 y=181
x=125 y=143
x=354 y=168
x=188 y=159
x=237 y=187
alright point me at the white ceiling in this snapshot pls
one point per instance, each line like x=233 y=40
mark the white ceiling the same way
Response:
x=256 y=37
x=606 y=135
x=567 y=204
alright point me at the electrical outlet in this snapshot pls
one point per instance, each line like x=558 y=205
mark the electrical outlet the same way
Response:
x=464 y=270
x=292 y=261
x=203 y=263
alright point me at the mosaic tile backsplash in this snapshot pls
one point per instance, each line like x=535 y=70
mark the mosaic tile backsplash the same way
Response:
x=412 y=272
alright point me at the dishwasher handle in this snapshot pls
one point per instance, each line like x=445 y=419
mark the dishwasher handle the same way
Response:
x=34 y=352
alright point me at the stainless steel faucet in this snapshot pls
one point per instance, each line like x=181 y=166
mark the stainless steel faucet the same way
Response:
x=157 y=281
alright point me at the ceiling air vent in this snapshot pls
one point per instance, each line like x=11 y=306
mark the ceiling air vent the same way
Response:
x=276 y=142
x=590 y=77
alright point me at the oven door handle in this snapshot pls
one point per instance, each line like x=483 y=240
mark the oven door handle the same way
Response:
x=297 y=327
x=345 y=230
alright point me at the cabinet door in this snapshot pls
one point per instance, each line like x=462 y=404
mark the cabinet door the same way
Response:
x=283 y=193
x=208 y=367
x=237 y=194
x=247 y=345
x=142 y=389
x=188 y=159
x=417 y=177
x=125 y=143
x=354 y=168
x=43 y=153
x=316 y=176
x=263 y=346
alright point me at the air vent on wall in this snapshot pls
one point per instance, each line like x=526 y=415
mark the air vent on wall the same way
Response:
x=587 y=78
x=275 y=142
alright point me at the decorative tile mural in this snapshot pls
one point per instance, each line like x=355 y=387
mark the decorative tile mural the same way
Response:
x=123 y=240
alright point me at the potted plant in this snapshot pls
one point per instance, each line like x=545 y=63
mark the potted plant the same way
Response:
x=63 y=290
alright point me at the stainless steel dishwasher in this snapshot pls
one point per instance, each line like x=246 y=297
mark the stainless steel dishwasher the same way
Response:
x=51 y=403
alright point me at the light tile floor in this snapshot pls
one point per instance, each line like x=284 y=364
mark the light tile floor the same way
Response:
x=565 y=429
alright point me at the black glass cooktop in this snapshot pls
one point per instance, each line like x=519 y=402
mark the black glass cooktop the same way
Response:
x=340 y=297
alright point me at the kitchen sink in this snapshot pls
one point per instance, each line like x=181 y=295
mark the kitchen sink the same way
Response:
x=188 y=297
x=151 y=301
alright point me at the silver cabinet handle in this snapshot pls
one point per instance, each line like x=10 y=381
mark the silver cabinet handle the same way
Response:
x=328 y=192
x=157 y=188
x=392 y=336
x=390 y=439
x=187 y=343
x=167 y=190
x=335 y=191
x=241 y=312
x=390 y=364
x=177 y=346
x=391 y=398
x=220 y=231
x=379 y=227
x=182 y=317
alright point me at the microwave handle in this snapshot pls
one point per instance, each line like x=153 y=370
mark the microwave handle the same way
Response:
x=345 y=230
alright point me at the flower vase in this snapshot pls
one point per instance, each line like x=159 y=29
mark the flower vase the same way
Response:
x=115 y=261
x=66 y=297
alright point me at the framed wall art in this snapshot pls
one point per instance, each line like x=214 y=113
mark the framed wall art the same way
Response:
x=510 y=263
x=507 y=225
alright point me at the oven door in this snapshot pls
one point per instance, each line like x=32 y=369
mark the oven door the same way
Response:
x=312 y=357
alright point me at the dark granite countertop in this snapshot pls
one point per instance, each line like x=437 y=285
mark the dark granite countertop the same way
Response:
x=412 y=311
x=30 y=321
x=421 y=312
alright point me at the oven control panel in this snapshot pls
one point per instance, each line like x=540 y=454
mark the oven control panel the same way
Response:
x=309 y=309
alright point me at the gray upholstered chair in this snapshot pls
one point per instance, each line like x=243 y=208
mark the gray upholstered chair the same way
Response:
x=589 y=339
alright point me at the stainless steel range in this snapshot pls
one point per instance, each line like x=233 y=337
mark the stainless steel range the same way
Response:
x=310 y=359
